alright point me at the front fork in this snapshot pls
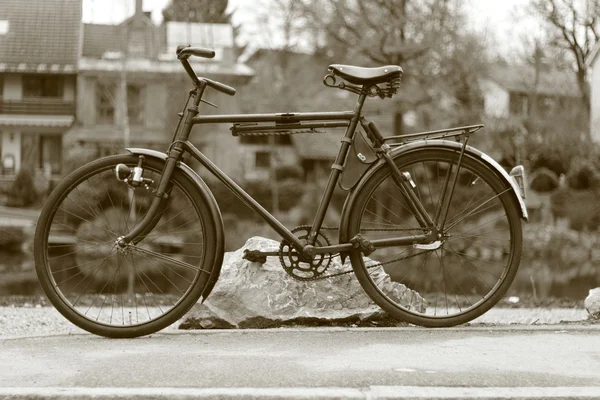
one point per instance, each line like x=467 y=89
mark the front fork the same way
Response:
x=165 y=186
x=134 y=179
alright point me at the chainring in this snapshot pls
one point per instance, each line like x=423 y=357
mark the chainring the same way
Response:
x=295 y=265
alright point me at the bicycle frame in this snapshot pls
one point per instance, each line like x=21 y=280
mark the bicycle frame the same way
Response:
x=181 y=144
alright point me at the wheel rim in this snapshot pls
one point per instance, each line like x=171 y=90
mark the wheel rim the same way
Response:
x=122 y=287
x=475 y=254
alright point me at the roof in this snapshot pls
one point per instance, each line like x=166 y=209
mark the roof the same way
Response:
x=160 y=41
x=521 y=78
x=40 y=32
x=98 y=39
x=57 y=121
x=162 y=66
x=317 y=146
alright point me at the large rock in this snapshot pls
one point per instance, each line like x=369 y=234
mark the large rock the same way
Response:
x=254 y=295
x=592 y=303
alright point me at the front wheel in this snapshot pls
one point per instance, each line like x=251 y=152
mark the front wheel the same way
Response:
x=123 y=291
x=473 y=264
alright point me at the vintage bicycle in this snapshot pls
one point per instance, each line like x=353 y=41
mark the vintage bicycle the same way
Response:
x=125 y=245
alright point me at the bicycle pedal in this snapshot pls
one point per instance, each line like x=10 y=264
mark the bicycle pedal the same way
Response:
x=254 y=256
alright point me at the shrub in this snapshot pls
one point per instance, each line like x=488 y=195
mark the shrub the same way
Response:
x=579 y=207
x=583 y=174
x=22 y=192
x=11 y=238
x=543 y=180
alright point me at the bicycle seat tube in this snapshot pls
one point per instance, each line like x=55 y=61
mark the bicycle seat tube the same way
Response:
x=174 y=156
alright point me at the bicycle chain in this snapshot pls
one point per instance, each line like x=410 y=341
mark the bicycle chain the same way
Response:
x=370 y=266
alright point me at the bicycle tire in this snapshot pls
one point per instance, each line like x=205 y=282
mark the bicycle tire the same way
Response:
x=185 y=256
x=456 y=247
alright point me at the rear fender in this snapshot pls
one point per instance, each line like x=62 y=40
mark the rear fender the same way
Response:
x=419 y=145
x=213 y=209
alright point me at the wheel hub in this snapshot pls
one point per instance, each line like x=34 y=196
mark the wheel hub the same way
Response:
x=121 y=246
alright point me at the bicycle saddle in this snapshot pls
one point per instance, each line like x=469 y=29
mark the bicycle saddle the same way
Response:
x=362 y=76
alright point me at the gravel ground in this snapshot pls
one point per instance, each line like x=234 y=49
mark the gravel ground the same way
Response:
x=35 y=320
x=38 y=320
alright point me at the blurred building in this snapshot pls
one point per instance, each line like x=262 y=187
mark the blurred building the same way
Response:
x=131 y=70
x=509 y=91
x=290 y=81
x=594 y=63
x=61 y=85
x=39 y=47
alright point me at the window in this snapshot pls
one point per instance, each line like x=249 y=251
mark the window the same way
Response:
x=42 y=86
x=546 y=104
x=262 y=159
x=50 y=153
x=518 y=104
x=105 y=103
x=135 y=104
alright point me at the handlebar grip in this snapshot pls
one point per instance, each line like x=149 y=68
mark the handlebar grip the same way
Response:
x=220 y=87
x=186 y=51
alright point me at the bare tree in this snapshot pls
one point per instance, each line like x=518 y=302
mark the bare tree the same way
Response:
x=197 y=11
x=428 y=38
x=574 y=25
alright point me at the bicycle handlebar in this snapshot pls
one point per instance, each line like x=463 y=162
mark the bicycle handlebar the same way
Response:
x=221 y=87
x=184 y=52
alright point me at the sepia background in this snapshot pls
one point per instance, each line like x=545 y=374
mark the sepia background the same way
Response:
x=81 y=79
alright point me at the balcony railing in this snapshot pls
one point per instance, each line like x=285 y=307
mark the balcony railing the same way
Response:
x=37 y=106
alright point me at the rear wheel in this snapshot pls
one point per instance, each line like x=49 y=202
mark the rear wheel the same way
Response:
x=129 y=291
x=473 y=264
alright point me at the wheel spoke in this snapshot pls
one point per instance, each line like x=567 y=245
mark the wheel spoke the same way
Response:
x=475 y=252
x=131 y=290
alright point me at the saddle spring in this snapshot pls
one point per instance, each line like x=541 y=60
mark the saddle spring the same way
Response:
x=390 y=88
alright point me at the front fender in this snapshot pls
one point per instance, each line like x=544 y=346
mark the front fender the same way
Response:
x=419 y=145
x=213 y=208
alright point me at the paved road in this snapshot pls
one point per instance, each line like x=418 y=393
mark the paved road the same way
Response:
x=367 y=363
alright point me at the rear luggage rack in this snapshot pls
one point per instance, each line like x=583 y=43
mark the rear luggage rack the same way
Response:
x=440 y=134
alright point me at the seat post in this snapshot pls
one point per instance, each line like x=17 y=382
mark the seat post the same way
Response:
x=336 y=170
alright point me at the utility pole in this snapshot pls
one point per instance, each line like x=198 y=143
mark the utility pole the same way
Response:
x=537 y=65
x=123 y=87
x=123 y=100
x=126 y=139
